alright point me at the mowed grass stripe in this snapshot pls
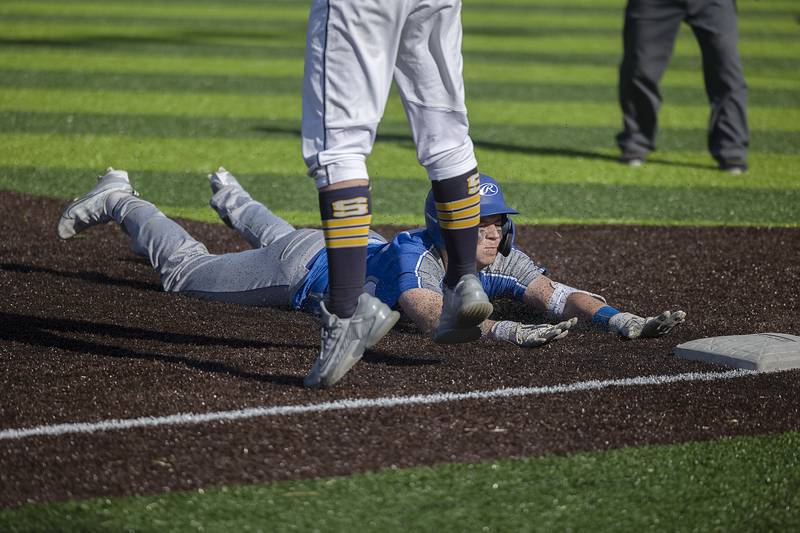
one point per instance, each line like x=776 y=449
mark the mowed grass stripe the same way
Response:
x=743 y=5
x=526 y=10
x=280 y=154
x=266 y=19
x=201 y=155
x=93 y=61
x=287 y=107
x=730 y=484
x=571 y=4
x=181 y=47
x=265 y=26
x=214 y=11
x=399 y=201
x=495 y=22
x=753 y=8
x=535 y=20
x=256 y=84
x=99 y=61
x=288 y=42
x=144 y=81
x=153 y=103
x=568 y=42
x=517 y=139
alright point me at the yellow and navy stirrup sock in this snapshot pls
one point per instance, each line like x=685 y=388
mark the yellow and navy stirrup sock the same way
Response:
x=346 y=216
x=458 y=207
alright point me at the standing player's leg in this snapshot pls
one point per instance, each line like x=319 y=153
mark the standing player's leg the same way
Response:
x=346 y=213
x=715 y=27
x=651 y=27
x=350 y=53
x=428 y=75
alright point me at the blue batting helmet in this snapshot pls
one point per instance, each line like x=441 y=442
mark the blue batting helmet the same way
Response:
x=492 y=203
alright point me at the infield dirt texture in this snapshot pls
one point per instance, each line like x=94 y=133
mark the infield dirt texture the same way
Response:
x=89 y=336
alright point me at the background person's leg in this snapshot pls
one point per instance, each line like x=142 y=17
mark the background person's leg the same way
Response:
x=715 y=27
x=651 y=27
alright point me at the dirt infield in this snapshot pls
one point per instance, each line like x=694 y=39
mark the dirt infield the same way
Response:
x=87 y=335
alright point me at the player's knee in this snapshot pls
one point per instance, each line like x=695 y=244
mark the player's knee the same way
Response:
x=453 y=161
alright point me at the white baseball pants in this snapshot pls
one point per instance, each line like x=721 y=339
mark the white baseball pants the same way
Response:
x=354 y=48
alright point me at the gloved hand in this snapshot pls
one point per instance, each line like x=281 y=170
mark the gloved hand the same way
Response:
x=530 y=335
x=633 y=326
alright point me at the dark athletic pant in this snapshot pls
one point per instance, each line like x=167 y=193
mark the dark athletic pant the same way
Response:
x=651 y=27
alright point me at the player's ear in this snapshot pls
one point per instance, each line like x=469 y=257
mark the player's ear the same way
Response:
x=507 y=239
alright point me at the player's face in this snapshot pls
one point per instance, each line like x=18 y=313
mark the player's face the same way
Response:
x=489 y=234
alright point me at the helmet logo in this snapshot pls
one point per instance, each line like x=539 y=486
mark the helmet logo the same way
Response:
x=488 y=189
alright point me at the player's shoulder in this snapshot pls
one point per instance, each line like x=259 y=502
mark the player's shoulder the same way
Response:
x=417 y=239
x=516 y=263
x=504 y=261
x=416 y=251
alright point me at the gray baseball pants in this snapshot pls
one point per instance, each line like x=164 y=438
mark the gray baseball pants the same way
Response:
x=268 y=275
x=651 y=27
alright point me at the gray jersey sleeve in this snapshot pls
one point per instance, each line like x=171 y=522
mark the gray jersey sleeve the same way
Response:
x=431 y=270
x=519 y=265
x=509 y=276
x=505 y=277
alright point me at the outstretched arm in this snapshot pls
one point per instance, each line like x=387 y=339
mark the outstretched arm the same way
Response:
x=424 y=306
x=583 y=305
x=559 y=300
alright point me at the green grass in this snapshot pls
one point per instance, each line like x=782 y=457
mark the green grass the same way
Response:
x=171 y=90
x=741 y=484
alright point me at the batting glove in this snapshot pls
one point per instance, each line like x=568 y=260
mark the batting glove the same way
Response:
x=530 y=335
x=633 y=326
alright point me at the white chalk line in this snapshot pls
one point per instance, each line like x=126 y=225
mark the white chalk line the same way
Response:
x=362 y=403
